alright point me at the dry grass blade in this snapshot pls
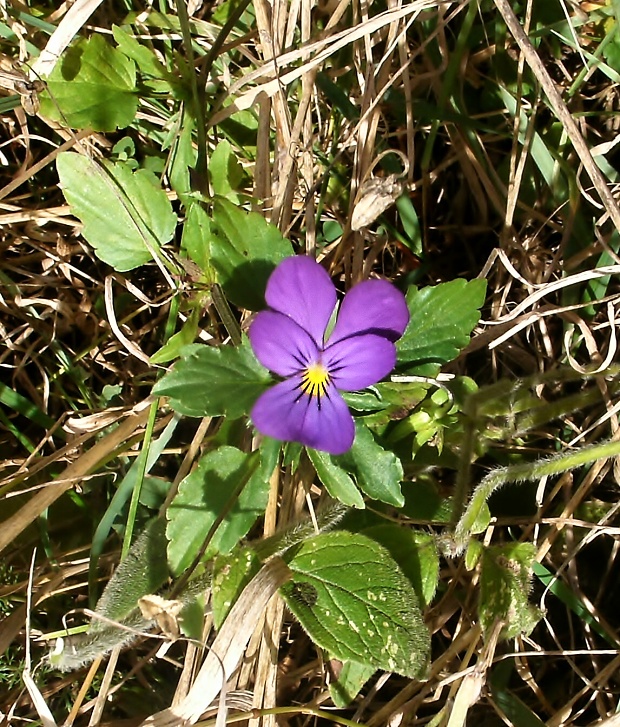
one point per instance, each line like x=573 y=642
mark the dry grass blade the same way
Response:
x=227 y=650
x=561 y=110
x=84 y=465
x=322 y=50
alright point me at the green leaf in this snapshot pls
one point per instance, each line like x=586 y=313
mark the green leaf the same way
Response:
x=183 y=158
x=231 y=574
x=245 y=249
x=611 y=51
x=442 y=319
x=504 y=587
x=143 y=571
x=24 y=406
x=123 y=493
x=377 y=471
x=214 y=381
x=227 y=484
x=326 y=518
x=424 y=502
x=173 y=346
x=127 y=215
x=144 y=57
x=575 y=601
x=517 y=712
x=196 y=233
x=338 y=98
x=226 y=172
x=92 y=87
x=351 y=679
x=416 y=554
x=394 y=397
x=355 y=602
x=336 y=481
x=473 y=554
x=192 y=617
x=410 y=223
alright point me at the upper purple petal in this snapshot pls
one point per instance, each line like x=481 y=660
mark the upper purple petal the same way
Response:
x=373 y=306
x=300 y=288
x=280 y=344
x=359 y=361
x=284 y=412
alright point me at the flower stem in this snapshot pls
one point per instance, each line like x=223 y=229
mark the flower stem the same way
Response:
x=526 y=472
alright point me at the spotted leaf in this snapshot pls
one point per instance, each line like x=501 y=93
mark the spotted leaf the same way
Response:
x=354 y=601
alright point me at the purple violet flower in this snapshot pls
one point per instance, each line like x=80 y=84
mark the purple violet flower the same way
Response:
x=288 y=338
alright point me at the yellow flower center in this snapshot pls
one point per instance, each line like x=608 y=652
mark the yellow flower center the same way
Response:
x=315 y=380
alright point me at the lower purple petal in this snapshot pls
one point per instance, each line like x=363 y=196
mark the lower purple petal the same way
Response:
x=359 y=361
x=325 y=423
x=373 y=306
x=280 y=344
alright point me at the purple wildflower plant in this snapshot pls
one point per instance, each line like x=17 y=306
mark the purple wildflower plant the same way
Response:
x=289 y=339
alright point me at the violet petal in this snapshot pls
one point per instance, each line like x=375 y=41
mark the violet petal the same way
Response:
x=281 y=413
x=359 y=361
x=280 y=344
x=300 y=288
x=373 y=306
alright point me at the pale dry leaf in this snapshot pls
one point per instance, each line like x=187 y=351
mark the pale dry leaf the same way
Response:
x=228 y=648
x=165 y=612
x=94 y=422
x=47 y=719
x=374 y=197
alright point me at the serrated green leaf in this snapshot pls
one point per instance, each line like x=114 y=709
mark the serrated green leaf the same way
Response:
x=390 y=398
x=335 y=480
x=416 y=554
x=231 y=574
x=355 y=602
x=124 y=212
x=92 y=87
x=144 y=57
x=208 y=493
x=505 y=577
x=351 y=679
x=214 y=381
x=442 y=319
x=377 y=471
x=245 y=249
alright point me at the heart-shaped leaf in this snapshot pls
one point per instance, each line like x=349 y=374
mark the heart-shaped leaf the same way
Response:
x=355 y=602
x=93 y=86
